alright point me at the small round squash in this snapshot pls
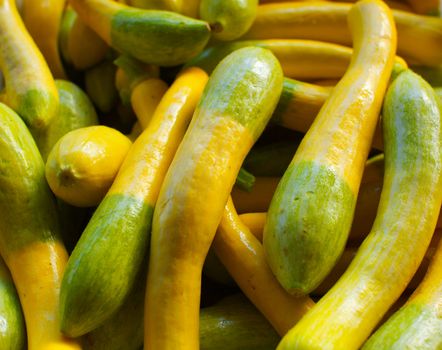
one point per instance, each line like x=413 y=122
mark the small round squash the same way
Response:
x=83 y=164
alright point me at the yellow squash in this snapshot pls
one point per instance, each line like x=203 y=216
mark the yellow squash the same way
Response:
x=120 y=227
x=83 y=164
x=233 y=111
x=243 y=256
x=389 y=256
x=419 y=37
x=29 y=86
x=29 y=234
x=42 y=18
x=311 y=212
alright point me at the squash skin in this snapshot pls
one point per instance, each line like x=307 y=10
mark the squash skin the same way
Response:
x=229 y=19
x=310 y=215
x=419 y=37
x=42 y=19
x=29 y=86
x=418 y=323
x=120 y=228
x=243 y=256
x=29 y=234
x=12 y=332
x=156 y=37
x=300 y=59
x=234 y=109
x=388 y=258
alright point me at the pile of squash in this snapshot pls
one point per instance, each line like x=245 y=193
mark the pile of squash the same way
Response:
x=220 y=174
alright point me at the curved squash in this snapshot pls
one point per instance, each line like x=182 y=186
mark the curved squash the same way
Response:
x=29 y=234
x=389 y=256
x=234 y=109
x=310 y=215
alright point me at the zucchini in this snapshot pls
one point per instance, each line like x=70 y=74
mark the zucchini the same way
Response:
x=152 y=36
x=42 y=19
x=236 y=106
x=311 y=212
x=29 y=87
x=12 y=330
x=418 y=324
x=419 y=37
x=243 y=256
x=94 y=287
x=388 y=258
x=29 y=234
x=75 y=111
x=229 y=19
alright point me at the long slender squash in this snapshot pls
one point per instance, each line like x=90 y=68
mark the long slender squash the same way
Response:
x=311 y=212
x=418 y=324
x=234 y=109
x=419 y=37
x=152 y=36
x=12 y=330
x=94 y=286
x=229 y=19
x=243 y=256
x=300 y=59
x=391 y=254
x=29 y=237
x=426 y=7
x=29 y=87
x=391 y=3
x=42 y=18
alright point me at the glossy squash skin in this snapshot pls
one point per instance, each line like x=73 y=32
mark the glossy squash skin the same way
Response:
x=310 y=215
x=42 y=19
x=120 y=227
x=157 y=37
x=388 y=258
x=304 y=60
x=29 y=234
x=419 y=37
x=418 y=323
x=229 y=19
x=12 y=330
x=243 y=256
x=75 y=111
x=29 y=86
x=234 y=109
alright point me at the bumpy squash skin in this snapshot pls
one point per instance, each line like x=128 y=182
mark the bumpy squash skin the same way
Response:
x=419 y=39
x=29 y=87
x=12 y=330
x=229 y=19
x=29 y=234
x=156 y=37
x=389 y=256
x=418 y=324
x=311 y=212
x=42 y=19
x=236 y=106
x=103 y=266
